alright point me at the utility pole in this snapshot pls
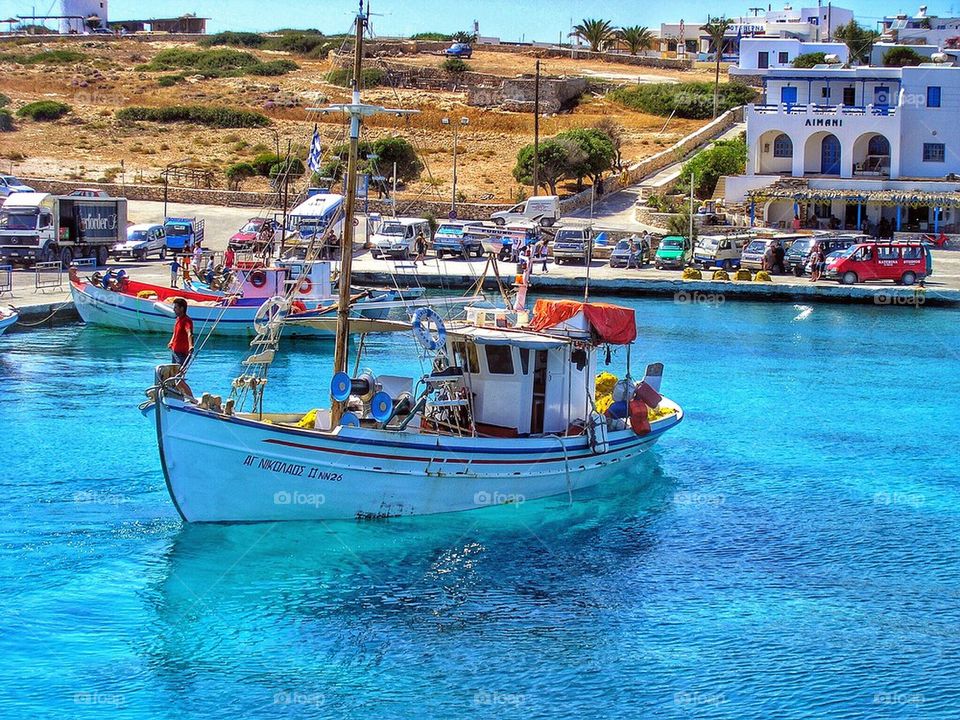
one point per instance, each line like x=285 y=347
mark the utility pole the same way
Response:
x=446 y=121
x=536 y=129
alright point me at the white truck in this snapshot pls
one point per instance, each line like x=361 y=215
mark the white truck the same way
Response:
x=543 y=209
x=40 y=227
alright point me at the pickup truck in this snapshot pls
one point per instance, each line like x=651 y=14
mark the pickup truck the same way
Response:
x=572 y=245
x=450 y=239
x=183 y=234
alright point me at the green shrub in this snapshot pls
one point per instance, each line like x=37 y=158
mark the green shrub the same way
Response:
x=454 y=64
x=370 y=77
x=44 y=110
x=264 y=161
x=236 y=39
x=902 y=57
x=808 y=60
x=169 y=80
x=303 y=43
x=210 y=116
x=432 y=37
x=46 y=57
x=6 y=121
x=293 y=167
x=273 y=67
x=216 y=63
x=692 y=100
x=724 y=157
x=238 y=172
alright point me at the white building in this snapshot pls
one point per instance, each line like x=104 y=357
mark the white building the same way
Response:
x=813 y=24
x=760 y=55
x=863 y=133
x=74 y=14
x=920 y=29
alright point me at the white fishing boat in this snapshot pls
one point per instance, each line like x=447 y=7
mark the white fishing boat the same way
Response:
x=510 y=410
x=8 y=317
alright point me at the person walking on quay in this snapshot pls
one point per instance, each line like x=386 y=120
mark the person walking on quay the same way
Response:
x=778 y=254
x=229 y=257
x=174 y=272
x=796 y=223
x=542 y=252
x=817 y=262
x=181 y=344
x=768 y=256
x=420 y=247
x=197 y=260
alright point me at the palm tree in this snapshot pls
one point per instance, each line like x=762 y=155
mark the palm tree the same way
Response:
x=596 y=32
x=637 y=38
x=716 y=28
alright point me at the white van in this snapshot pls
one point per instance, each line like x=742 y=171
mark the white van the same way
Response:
x=397 y=237
x=544 y=209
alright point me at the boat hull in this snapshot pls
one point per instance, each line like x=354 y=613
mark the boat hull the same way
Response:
x=266 y=472
x=7 y=321
x=97 y=306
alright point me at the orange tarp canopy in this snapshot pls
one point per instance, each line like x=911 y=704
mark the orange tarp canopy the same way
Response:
x=609 y=323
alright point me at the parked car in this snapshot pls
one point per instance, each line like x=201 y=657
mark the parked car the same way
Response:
x=544 y=209
x=9 y=185
x=572 y=245
x=460 y=50
x=450 y=239
x=397 y=237
x=721 y=251
x=142 y=241
x=673 y=253
x=797 y=258
x=753 y=252
x=903 y=262
x=88 y=192
x=633 y=251
x=252 y=237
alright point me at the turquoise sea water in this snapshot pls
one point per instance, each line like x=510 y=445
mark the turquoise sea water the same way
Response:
x=790 y=551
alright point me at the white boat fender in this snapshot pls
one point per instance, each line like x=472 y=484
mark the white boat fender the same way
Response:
x=429 y=340
x=164 y=307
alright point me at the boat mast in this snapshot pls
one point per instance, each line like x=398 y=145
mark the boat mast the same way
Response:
x=357 y=110
x=346 y=243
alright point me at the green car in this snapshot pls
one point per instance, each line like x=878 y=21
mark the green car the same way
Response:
x=673 y=253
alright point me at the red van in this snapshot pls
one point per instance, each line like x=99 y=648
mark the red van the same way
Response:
x=903 y=262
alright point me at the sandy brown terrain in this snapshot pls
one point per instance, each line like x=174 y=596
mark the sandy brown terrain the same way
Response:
x=91 y=144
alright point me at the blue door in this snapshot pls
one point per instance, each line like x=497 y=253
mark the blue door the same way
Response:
x=830 y=156
x=788 y=96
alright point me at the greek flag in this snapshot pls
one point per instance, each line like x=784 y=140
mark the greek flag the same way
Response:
x=313 y=159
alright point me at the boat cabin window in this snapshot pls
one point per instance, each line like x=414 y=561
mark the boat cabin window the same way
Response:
x=465 y=356
x=525 y=361
x=499 y=359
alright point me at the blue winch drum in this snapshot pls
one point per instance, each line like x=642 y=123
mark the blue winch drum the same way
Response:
x=381 y=407
x=618 y=410
x=422 y=333
x=349 y=420
x=342 y=386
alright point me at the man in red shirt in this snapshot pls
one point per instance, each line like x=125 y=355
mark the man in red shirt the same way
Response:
x=181 y=344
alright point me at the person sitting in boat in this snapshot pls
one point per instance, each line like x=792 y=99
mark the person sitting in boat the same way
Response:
x=181 y=344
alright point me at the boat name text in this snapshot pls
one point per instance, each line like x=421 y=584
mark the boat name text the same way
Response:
x=285 y=468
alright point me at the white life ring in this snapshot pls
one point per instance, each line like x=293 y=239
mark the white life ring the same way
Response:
x=276 y=308
x=422 y=319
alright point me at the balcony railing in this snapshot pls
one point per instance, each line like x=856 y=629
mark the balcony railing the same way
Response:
x=823 y=110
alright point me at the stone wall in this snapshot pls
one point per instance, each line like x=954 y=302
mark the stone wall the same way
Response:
x=191 y=196
x=518 y=94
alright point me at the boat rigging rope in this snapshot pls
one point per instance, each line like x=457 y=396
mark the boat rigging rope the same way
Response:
x=57 y=309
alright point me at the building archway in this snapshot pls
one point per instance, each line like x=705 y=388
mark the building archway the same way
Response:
x=822 y=154
x=774 y=153
x=871 y=154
